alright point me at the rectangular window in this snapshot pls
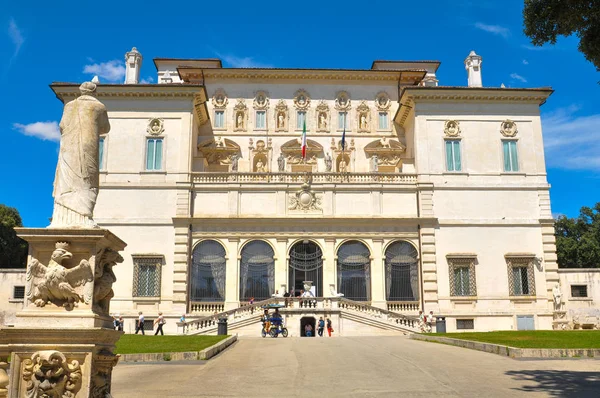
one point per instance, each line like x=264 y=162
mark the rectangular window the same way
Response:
x=462 y=275
x=219 y=119
x=300 y=119
x=511 y=161
x=521 y=276
x=383 y=121
x=465 y=324
x=101 y=153
x=342 y=120
x=453 y=162
x=579 y=291
x=154 y=148
x=146 y=276
x=19 y=292
x=261 y=119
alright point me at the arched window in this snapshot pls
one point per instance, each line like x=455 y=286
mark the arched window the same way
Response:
x=306 y=264
x=208 y=272
x=257 y=271
x=354 y=271
x=401 y=272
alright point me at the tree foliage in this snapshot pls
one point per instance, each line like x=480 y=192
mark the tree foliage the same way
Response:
x=545 y=20
x=13 y=250
x=578 y=239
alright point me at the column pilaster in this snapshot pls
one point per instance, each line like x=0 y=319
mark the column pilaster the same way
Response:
x=232 y=275
x=377 y=276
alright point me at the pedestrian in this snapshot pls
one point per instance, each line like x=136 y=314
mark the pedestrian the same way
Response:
x=421 y=321
x=321 y=327
x=308 y=330
x=329 y=327
x=140 y=323
x=182 y=319
x=160 y=321
x=430 y=322
x=121 y=323
x=116 y=322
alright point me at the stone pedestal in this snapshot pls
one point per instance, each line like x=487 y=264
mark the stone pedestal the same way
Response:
x=560 y=321
x=63 y=341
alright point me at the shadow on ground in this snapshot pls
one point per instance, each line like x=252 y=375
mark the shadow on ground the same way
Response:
x=559 y=383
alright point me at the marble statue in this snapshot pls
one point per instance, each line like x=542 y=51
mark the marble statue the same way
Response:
x=333 y=292
x=239 y=123
x=328 y=163
x=281 y=162
x=322 y=121
x=374 y=163
x=260 y=167
x=234 y=162
x=77 y=176
x=363 y=121
x=557 y=295
x=343 y=166
x=280 y=121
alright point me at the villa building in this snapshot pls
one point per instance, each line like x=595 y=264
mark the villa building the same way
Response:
x=408 y=195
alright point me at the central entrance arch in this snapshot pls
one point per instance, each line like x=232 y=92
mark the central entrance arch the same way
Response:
x=306 y=264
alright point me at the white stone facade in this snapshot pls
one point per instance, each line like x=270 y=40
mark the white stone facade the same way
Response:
x=197 y=158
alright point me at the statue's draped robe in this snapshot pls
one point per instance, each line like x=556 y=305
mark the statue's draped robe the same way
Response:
x=77 y=173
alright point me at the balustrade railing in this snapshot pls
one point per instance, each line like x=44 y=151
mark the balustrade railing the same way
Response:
x=403 y=306
x=298 y=178
x=206 y=307
x=378 y=313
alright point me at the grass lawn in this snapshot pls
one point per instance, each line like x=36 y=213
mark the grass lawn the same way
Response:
x=138 y=344
x=535 y=339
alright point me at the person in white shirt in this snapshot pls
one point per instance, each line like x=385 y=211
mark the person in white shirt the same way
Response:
x=430 y=321
x=140 y=323
x=160 y=321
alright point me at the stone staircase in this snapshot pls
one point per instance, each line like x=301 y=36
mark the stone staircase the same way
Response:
x=372 y=319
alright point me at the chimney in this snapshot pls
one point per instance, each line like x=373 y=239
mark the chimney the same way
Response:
x=133 y=64
x=473 y=67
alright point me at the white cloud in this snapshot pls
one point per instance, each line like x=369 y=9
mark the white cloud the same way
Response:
x=518 y=77
x=495 y=29
x=525 y=62
x=111 y=70
x=242 y=62
x=534 y=48
x=571 y=142
x=47 y=131
x=147 y=80
x=16 y=36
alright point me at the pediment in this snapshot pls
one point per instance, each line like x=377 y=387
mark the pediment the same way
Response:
x=293 y=151
x=218 y=150
x=388 y=152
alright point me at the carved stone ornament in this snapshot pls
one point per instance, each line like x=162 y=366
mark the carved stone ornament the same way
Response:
x=363 y=117
x=342 y=101
x=323 y=117
x=260 y=156
x=104 y=277
x=156 y=127
x=240 y=115
x=104 y=362
x=261 y=100
x=337 y=147
x=305 y=199
x=281 y=116
x=301 y=100
x=57 y=284
x=219 y=150
x=452 y=128
x=219 y=99
x=293 y=151
x=508 y=128
x=382 y=101
x=386 y=152
x=49 y=374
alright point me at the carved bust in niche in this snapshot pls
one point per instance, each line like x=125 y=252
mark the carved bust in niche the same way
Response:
x=452 y=128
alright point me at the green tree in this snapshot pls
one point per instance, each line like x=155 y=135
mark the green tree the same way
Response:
x=13 y=250
x=578 y=239
x=545 y=20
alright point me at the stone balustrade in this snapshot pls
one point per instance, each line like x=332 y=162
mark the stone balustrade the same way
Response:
x=299 y=178
x=197 y=307
x=403 y=306
x=378 y=314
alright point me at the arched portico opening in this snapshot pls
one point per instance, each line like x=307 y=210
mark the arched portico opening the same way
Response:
x=354 y=271
x=305 y=264
x=257 y=271
x=401 y=272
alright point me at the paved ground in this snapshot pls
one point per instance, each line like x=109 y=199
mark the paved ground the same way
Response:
x=359 y=367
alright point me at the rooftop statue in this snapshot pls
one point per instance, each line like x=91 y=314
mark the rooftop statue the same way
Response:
x=76 y=182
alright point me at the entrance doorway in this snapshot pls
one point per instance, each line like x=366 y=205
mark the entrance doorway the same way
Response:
x=307 y=320
x=306 y=264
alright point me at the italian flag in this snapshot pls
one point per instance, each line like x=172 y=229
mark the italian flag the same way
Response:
x=304 y=141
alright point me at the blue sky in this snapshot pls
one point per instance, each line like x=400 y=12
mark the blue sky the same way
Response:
x=42 y=42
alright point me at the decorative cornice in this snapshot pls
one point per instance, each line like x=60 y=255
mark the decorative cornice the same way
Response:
x=68 y=91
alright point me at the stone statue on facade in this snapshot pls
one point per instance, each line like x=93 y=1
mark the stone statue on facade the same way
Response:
x=322 y=121
x=374 y=163
x=343 y=166
x=240 y=121
x=77 y=173
x=280 y=121
x=260 y=167
x=234 y=162
x=363 y=121
x=281 y=162
x=328 y=163
x=557 y=295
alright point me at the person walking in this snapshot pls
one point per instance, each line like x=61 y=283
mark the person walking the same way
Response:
x=121 y=323
x=430 y=322
x=140 y=323
x=160 y=321
x=329 y=327
x=321 y=327
x=308 y=330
